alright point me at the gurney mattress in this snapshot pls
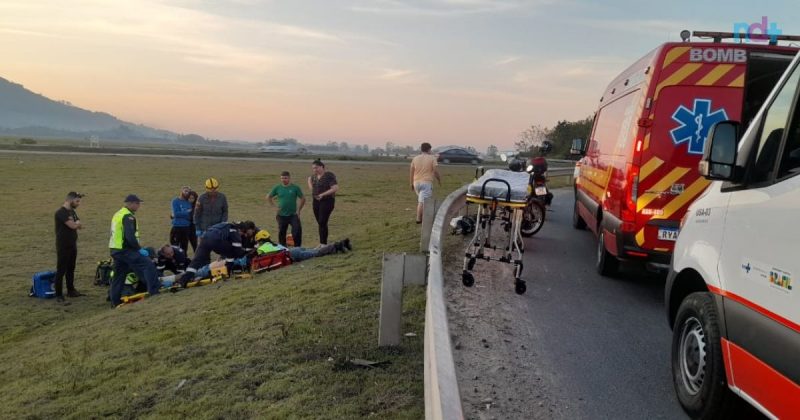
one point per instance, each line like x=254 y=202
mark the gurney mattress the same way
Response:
x=495 y=189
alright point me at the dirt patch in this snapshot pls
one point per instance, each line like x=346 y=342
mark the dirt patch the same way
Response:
x=495 y=357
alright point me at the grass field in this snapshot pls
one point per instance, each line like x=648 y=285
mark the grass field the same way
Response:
x=270 y=347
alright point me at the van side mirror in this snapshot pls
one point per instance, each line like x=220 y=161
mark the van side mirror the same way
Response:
x=577 y=147
x=719 y=154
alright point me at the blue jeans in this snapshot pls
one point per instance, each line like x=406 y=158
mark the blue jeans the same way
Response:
x=298 y=254
x=126 y=261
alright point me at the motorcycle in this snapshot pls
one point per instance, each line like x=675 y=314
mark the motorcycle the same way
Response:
x=539 y=196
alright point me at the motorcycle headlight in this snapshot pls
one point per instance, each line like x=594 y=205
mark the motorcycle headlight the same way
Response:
x=529 y=169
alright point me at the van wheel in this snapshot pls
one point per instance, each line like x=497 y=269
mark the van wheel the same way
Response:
x=606 y=264
x=577 y=220
x=698 y=369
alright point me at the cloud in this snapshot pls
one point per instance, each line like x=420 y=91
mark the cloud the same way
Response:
x=506 y=61
x=444 y=8
x=400 y=76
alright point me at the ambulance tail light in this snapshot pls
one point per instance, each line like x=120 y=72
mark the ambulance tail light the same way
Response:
x=631 y=195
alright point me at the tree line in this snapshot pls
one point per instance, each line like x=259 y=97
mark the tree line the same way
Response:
x=531 y=140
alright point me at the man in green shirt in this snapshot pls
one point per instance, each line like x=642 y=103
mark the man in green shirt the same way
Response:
x=288 y=194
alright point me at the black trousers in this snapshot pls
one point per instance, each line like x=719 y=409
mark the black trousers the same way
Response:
x=180 y=236
x=65 y=267
x=322 y=212
x=192 y=238
x=297 y=230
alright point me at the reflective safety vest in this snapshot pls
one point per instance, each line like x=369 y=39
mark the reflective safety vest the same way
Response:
x=118 y=231
x=268 y=247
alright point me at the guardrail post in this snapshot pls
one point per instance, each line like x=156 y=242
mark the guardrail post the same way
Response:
x=428 y=214
x=391 y=300
x=415 y=268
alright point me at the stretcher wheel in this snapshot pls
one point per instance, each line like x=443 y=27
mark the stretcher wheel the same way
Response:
x=520 y=287
x=471 y=264
x=467 y=278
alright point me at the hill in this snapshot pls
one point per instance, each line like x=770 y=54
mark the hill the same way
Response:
x=25 y=113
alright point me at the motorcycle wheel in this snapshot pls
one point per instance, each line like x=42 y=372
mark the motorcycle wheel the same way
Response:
x=532 y=218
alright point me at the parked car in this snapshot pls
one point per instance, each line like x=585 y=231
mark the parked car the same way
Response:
x=731 y=294
x=456 y=155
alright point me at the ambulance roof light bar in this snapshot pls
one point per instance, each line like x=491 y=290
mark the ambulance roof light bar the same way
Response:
x=719 y=36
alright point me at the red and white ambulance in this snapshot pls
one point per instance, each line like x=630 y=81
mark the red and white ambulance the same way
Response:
x=639 y=170
x=732 y=295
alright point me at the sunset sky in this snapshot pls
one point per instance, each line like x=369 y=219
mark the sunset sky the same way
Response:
x=471 y=72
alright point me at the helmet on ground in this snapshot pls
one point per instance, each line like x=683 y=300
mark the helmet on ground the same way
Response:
x=262 y=235
x=212 y=184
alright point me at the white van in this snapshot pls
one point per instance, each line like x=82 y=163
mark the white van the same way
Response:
x=731 y=295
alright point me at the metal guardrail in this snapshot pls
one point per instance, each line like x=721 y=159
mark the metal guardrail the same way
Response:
x=442 y=397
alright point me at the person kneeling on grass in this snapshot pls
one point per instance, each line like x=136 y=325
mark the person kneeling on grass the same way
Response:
x=225 y=239
x=297 y=254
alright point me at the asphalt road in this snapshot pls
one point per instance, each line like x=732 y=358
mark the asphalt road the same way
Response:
x=605 y=341
x=576 y=346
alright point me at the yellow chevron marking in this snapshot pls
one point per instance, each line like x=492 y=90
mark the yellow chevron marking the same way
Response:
x=688 y=194
x=660 y=186
x=646 y=141
x=661 y=249
x=739 y=82
x=673 y=55
x=678 y=76
x=715 y=74
x=649 y=167
x=640 y=237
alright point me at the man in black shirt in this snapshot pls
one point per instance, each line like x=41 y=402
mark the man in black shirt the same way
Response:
x=67 y=226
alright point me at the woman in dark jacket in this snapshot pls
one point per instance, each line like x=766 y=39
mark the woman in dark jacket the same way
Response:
x=323 y=186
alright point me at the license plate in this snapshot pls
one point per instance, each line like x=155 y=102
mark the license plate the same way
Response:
x=667 y=234
x=541 y=190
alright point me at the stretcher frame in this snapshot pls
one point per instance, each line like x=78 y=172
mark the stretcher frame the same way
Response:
x=509 y=214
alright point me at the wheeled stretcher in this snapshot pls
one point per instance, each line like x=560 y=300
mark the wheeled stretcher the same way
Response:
x=501 y=197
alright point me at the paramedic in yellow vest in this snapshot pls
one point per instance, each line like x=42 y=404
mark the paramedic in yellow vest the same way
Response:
x=128 y=255
x=297 y=254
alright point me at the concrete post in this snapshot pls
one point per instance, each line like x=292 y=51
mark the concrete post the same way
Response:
x=428 y=214
x=391 y=300
x=415 y=269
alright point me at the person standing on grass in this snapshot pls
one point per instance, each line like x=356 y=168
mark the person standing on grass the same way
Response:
x=422 y=173
x=67 y=226
x=192 y=198
x=181 y=222
x=288 y=210
x=323 y=186
x=211 y=208
x=128 y=254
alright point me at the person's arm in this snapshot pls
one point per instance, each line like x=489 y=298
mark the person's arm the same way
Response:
x=181 y=212
x=236 y=246
x=310 y=187
x=70 y=222
x=334 y=186
x=129 y=233
x=198 y=213
x=332 y=191
x=302 y=203
x=411 y=176
x=438 y=177
x=271 y=196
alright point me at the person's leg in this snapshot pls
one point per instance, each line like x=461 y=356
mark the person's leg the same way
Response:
x=72 y=257
x=325 y=210
x=297 y=231
x=121 y=270
x=173 y=236
x=298 y=254
x=61 y=270
x=424 y=190
x=192 y=239
x=183 y=238
x=283 y=225
x=146 y=272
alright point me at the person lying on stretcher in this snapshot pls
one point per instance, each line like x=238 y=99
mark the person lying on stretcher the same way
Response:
x=265 y=246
